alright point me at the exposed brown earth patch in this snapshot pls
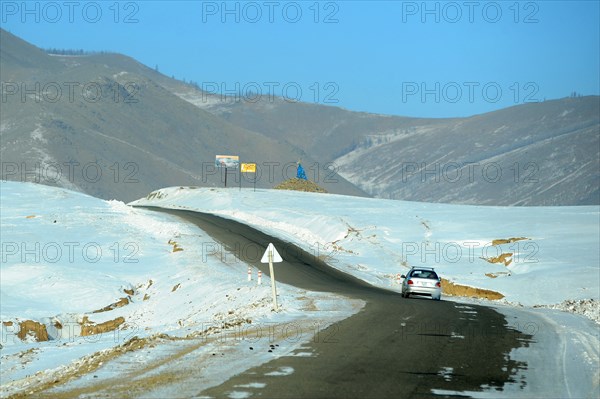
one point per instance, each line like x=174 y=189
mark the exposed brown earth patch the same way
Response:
x=176 y=247
x=508 y=240
x=120 y=303
x=296 y=184
x=503 y=258
x=90 y=328
x=155 y=195
x=450 y=288
x=32 y=328
x=92 y=362
x=499 y=274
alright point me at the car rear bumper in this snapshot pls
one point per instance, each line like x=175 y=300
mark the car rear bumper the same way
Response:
x=434 y=292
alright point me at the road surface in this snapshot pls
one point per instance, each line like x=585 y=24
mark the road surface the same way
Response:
x=393 y=348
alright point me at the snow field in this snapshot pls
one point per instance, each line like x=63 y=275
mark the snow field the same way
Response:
x=71 y=262
x=533 y=256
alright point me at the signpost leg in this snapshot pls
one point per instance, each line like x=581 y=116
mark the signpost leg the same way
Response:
x=273 y=289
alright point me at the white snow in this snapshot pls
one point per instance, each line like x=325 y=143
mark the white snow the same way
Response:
x=375 y=239
x=557 y=265
x=66 y=255
x=282 y=371
x=118 y=75
x=563 y=358
x=38 y=134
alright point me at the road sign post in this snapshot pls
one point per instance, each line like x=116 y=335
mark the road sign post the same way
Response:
x=272 y=256
x=273 y=288
x=248 y=168
x=226 y=162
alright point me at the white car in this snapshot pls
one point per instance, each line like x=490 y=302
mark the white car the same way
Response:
x=422 y=281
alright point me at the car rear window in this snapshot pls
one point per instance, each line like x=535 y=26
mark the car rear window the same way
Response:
x=424 y=274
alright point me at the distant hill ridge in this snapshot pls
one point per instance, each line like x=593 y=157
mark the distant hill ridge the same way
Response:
x=107 y=125
x=545 y=153
x=146 y=131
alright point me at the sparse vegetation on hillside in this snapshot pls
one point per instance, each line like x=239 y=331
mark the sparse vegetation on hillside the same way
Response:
x=533 y=154
x=300 y=185
x=61 y=51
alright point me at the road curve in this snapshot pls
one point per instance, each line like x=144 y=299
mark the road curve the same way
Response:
x=394 y=347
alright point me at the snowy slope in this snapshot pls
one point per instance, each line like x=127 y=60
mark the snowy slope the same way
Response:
x=556 y=259
x=66 y=255
x=555 y=265
x=71 y=262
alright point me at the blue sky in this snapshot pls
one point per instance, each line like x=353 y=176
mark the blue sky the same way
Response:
x=411 y=58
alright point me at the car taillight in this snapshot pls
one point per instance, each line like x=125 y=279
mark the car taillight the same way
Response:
x=438 y=284
x=410 y=282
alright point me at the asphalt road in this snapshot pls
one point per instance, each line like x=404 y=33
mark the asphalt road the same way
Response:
x=393 y=348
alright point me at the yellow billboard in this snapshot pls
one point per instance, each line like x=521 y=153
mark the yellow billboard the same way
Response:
x=248 y=168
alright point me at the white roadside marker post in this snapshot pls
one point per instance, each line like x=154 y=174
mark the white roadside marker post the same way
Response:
x=273 y=288
x=272 y=256
x=259 y=277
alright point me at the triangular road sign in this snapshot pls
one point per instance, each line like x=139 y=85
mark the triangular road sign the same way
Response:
x=276 y=257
